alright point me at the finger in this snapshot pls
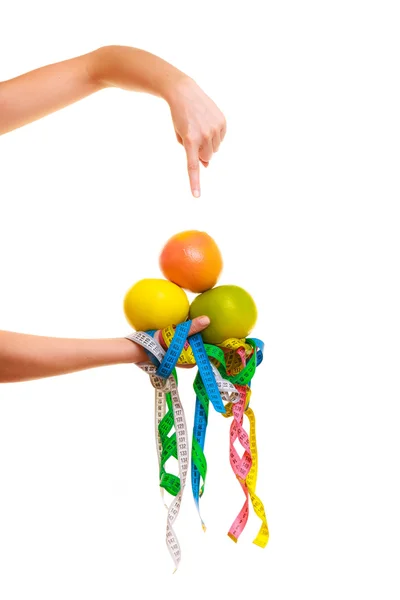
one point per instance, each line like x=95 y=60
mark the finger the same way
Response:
x=204 y=163
x=223 y=132
x=159 y=338
x=198 y=324
x=206 y=149
x=216 y=142
x=178 y=137
x=192 y=153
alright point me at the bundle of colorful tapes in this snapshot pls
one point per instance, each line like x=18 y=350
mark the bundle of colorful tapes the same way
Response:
x=225 y=371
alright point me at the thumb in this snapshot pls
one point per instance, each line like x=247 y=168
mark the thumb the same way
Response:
x=198 y=324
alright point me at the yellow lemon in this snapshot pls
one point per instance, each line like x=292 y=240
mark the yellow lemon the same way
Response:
x=232 y=311
x=154 y=304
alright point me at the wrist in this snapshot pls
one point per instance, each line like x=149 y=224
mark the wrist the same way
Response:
x=129 y=352
x=175 y=87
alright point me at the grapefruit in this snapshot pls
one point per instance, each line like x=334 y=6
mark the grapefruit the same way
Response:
x=232 y=311
x=192 y=260
x=155 y=304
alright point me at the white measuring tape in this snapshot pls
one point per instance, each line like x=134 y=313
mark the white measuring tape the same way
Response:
x=163 y=386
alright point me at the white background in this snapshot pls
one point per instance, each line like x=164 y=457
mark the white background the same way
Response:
x=303 y=200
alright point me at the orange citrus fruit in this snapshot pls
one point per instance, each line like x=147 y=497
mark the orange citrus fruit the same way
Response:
x=155 y=304
x=192 y=260
x=232 y=312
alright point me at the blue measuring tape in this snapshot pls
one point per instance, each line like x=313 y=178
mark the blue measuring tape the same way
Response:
x=174 y=351
x=172 y=356
x=198 y=440
x=206 y=373
x=260 y=350
x=206 y=388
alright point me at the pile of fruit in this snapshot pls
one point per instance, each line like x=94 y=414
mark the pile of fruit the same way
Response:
x=191 y=261
x=226 y=359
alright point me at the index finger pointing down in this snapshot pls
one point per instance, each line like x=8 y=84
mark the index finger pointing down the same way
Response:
x=192 y=153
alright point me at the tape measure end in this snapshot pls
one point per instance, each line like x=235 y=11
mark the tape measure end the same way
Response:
x=233 y=538
x=261 y=544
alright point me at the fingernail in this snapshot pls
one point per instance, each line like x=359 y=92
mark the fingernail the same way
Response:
x=196 y=193
x=204 y=321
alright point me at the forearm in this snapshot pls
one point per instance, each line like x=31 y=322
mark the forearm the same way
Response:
x=135 y=70
x=25 y=357
x=33 y=95
x=38 y=93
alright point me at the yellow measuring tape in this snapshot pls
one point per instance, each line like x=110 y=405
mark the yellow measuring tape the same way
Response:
x=236 y=351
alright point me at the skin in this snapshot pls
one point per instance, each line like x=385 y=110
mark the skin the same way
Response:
x=26 y=357
x=199 y=126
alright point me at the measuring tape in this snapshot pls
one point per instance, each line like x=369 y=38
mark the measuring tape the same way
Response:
x=224 y=376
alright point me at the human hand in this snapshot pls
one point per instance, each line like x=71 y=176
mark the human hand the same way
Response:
x=199 y=126
x=198 y=325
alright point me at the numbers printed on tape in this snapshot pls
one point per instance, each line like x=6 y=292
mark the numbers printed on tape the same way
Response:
x=224 y=376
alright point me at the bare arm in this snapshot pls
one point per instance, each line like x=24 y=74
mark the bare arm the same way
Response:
x=199 y=124
x=25 y=357
x=38 y=93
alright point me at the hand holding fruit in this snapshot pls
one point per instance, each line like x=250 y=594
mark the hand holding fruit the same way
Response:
x=226 y=365
x=197 y=326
